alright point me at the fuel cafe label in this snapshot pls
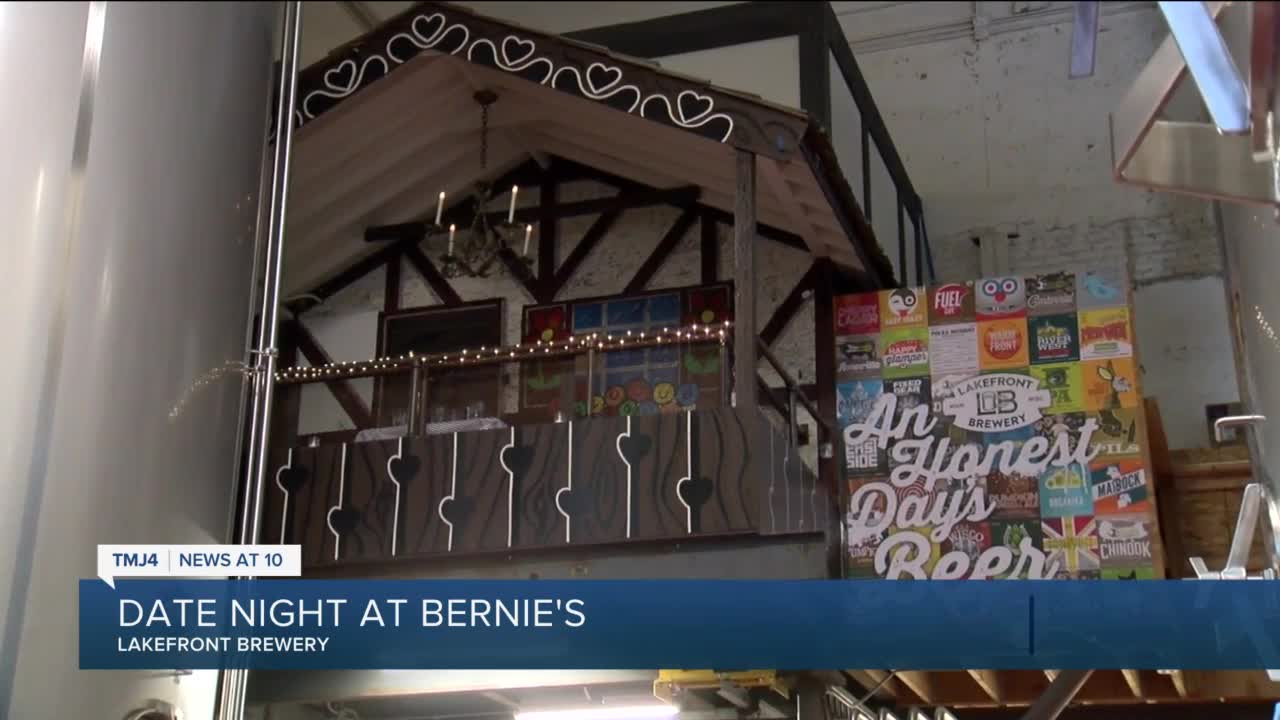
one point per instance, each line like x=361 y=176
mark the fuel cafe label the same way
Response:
x=951 y=304
x=953 y=493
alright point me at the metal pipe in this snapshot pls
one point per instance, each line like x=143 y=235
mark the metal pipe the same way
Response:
x=233 y=683
x=415 y=403
x=1058 y=695
x=270 y=319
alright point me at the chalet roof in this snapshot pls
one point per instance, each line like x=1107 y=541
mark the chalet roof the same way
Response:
x=387 y=121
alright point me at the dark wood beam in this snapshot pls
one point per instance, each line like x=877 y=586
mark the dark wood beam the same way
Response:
x=354 y=272
x=521 y=273
x=809 y=390
x=767 y=232
x=548 y=228
x=699 y=30
x=744 y=281
x=822 y=278
x=789 y=306
x=391 y=291
x=643 y=198
x=710 y=249
x=589 y=240
x=342 y=390
x=663 y=251
x=435 y=280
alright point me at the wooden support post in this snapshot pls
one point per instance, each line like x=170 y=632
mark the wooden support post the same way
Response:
x=744 y=280
x=548 y=232
x=710 y=249
x=391 y=295
x=822 y=277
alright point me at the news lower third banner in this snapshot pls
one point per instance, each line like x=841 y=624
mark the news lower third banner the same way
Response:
x=587 y=624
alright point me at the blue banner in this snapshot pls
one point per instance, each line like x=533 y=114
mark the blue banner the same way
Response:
x=587 y=624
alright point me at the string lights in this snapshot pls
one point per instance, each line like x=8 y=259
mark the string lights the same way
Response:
x=540 y=349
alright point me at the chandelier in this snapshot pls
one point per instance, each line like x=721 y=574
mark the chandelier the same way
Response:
x=480 y=247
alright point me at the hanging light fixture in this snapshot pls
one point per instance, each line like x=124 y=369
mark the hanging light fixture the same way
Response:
x=473 y=251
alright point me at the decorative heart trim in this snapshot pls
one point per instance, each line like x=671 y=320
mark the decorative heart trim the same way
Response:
x=690 y=109
x=693 y=106
x=524 y=50
x=601 y=77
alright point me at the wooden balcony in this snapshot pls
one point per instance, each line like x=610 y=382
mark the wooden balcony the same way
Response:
x=719 y=473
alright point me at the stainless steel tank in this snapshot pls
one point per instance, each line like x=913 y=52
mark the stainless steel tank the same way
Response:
x=133 y=137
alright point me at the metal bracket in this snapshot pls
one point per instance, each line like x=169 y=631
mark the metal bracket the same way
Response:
x=1238 y=557
x=1221 y=425
x=1192 y=158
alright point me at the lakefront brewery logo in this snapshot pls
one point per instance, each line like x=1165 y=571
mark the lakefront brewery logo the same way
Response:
x=997 y=402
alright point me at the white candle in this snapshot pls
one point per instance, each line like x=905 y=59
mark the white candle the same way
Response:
x=528 y=230
x=511 y=214
x=439 y=207
x=452 y=230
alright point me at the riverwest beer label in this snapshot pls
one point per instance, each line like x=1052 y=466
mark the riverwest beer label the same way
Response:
x=993 y=431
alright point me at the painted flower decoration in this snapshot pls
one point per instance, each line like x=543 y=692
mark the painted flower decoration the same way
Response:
x=547 y=324
x=708 y=306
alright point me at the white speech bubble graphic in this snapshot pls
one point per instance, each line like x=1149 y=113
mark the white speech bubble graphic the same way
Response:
x=198 y=561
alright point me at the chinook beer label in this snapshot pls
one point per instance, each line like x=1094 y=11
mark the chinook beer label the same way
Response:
x=1124 y=541
x=951 y=304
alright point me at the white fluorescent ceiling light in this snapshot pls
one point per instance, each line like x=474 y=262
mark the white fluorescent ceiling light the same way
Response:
x=637 y=712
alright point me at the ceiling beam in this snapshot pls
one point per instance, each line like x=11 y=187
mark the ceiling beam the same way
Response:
x=361 y=13
x=579 y=254
x=989 y=681
x=661 y=252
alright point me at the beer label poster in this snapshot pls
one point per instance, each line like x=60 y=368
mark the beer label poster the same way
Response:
x=991 y=431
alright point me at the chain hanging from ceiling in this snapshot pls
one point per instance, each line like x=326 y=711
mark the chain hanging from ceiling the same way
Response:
x=476 y=250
